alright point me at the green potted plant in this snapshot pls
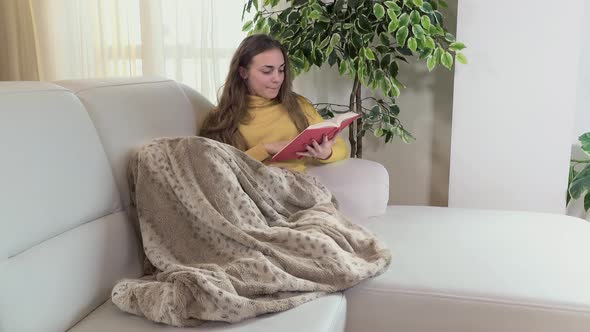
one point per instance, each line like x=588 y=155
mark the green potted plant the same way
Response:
x=366 y=40
x=579 y=175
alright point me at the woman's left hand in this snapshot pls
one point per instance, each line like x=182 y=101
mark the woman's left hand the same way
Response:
x=319 y=151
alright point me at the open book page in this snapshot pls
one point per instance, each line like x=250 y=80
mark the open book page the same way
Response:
x=336 y=121
x=330 y=128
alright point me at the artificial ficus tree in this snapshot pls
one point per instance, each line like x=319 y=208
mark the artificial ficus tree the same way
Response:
x=579 y=175
x=367 y=40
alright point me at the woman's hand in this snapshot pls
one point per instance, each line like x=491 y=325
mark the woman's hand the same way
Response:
x=319 y=151
x=274 y=147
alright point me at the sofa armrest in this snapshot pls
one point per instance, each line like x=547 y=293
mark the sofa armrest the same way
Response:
x=360 y=186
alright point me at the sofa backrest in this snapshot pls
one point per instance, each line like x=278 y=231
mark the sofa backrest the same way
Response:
x=128 y=113
x=66 y=238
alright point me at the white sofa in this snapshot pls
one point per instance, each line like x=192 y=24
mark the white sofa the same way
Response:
x=66 y=237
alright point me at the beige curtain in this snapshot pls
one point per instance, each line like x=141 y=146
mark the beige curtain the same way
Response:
x=18 y=58
x=190 y=41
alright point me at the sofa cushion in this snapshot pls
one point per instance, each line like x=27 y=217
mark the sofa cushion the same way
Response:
x=368 y=179
x=64 y=240
x=128 y=113
x=53 y=285
x=54 y=174
x=326 y=314
x=476 y=270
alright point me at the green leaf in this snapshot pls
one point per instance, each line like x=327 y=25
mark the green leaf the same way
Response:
x=398 y=83
x=314 y=14
x=587 y=202
x=293 y=17
x=585 y=142
x=384 y=39
x=456 y=46
x=369 y=53
x=357 y=41
x=385 y=60
x=401 y=35
x=425 y=21
x=392 y=15
x=572 y=175
x=404 y=19
x=395 y=89
x=329 y=51
x=335 y=39
x=418 y=31
x=379 y=11
x=247 y=26
x=423 y=52
x=431 y=62
x=297 y=62
x=255 y=4
x=461 y=58
x=438 y=53
x=392 y=26
x=273 y=3
x=343 y=67
x=429 y=42
x=393 y=69
x=260 y=24
x=324 y=43
x=581 y=183
x=317 y=7
x=447 y=60
x=449 y=37
x=427 y=7
x=364 y=24
x=379 y=132
x=415 y=17
x=392 y=5
x=394 y=109
x=307 y=48
x=347 y=26
x=385 y=86
x=418 y=2
x=443 y=3
x=318 y=57
x=412 y=44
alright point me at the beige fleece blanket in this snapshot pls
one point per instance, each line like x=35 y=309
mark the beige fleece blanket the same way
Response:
x=228 y=238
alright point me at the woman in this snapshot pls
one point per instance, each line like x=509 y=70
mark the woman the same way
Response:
x=259 y=113
x=270 y=239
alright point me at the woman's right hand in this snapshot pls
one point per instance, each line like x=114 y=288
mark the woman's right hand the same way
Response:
x=274 y=147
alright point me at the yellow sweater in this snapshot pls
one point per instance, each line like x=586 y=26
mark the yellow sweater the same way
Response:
x=270 y=122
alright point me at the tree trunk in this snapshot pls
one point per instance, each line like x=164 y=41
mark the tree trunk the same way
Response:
x=352 y=127
x=355 y=127
x=359 y=124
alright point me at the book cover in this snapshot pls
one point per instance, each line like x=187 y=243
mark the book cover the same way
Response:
x=330 y=127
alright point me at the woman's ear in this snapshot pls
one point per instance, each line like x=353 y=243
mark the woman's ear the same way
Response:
x=243 y=73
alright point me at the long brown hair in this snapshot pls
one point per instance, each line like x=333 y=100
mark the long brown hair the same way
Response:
x=222 y=123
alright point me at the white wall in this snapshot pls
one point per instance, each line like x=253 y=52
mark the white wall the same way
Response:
x=418 y=171
x=514 y=104
x=583 y=98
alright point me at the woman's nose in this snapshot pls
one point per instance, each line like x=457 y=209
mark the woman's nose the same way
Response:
x=276 y=76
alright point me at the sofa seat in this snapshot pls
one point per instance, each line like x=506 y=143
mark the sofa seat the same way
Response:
x=326 y=314
x=476 y=270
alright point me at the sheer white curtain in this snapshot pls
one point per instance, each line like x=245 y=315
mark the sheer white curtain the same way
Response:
x=191 y=41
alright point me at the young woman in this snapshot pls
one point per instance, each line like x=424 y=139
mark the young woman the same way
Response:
x=259 y=113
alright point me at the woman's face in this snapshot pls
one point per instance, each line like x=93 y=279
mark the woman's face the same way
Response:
x=265 y=74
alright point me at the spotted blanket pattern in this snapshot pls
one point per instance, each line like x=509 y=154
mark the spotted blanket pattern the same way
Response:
x=227 y=238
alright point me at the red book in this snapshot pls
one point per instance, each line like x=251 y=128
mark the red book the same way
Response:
x=330 y=127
